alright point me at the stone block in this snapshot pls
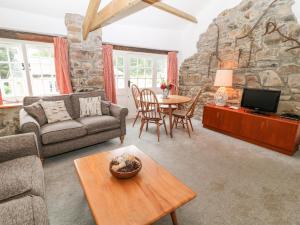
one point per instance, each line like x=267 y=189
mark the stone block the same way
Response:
x=294 y=81
x=269 y=78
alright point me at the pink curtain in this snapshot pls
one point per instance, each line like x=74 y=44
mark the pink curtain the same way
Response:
x=1 y=99
x=173 y=70
x=61 y=58
x=108 y=72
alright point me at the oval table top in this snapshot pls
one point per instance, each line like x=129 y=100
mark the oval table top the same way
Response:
x=172 y=100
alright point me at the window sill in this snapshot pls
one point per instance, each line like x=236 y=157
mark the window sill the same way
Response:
x=10 y=105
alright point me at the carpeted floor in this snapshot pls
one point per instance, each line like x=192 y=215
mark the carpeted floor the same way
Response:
x=237 y=183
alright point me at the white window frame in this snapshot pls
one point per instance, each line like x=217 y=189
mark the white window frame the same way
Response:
x=25 y=62
x=128 y=54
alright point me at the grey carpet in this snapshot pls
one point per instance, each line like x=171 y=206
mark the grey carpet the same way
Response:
x=237 y=183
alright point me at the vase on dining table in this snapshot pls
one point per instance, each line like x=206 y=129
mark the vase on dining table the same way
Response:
x=165 y=93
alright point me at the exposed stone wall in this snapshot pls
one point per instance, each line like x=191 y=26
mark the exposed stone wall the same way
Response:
x=85 y=57
x=269 y=65
x=9 y=121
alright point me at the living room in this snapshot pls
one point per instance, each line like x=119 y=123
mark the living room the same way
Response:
x=150 y=112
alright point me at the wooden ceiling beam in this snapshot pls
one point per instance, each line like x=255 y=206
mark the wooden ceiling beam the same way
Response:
x=172 y=10
x=89 y=17
x=116 y=10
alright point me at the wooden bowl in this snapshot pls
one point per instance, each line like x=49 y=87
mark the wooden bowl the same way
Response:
x=125 y=175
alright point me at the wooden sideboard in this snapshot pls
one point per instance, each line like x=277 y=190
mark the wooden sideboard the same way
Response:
x=274 y=132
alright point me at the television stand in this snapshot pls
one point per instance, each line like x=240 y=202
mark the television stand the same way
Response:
x=272 y=131
x=259 y=112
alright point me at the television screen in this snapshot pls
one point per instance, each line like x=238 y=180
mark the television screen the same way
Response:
x=261 y=100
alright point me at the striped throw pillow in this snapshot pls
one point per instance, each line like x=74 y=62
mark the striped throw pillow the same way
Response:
x=90 y=106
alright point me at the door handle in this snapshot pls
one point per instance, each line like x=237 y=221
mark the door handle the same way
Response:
x=129 y=83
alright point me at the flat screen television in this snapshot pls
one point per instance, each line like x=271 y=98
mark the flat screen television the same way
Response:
x=261 y=100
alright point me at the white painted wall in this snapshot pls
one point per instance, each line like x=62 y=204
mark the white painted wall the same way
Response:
x=148 y=37
x=24 y=21
x=296 y=9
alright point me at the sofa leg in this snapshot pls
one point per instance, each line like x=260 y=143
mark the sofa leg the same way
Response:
x=122 y=139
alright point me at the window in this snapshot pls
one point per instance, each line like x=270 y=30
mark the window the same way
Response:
x=144 y=70
x=13 y=77
x=26 y=68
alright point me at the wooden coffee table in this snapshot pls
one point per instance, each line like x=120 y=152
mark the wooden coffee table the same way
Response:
x=141 y=200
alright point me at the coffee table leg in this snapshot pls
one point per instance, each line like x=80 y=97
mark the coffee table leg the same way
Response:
x=174 y=218
x=171 y=122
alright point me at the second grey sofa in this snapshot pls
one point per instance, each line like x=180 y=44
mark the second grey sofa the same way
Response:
x=60 y=137
x=22 y=189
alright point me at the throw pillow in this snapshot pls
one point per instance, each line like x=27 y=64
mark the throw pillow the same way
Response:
x=90 y=106
x=105 y=106
x=55 y=111
x=37 y=112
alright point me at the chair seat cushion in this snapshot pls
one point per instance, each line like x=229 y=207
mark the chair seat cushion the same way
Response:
x=28 y=210
x=20 y=177
x=180 y=113
x=62 y=131
x=95 y=124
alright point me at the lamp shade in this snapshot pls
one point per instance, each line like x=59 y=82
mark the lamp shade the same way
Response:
x=223 y=78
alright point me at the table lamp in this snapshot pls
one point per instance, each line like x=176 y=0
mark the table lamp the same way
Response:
x=223 y=79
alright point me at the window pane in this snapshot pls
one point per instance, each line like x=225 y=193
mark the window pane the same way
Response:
x=42 y=69
x=141 y=62
x=120 y=61
x=4 y=70
x=148 y=72
x=133 y=62
x=148 y=63
x=120 y=83
x=19 y=88
x=148 y=83
x=14 y=55
x=141 y=83
x=3 y=54
x=133 y=72
x=141 y=73
x=7 y=88
x=16 y=70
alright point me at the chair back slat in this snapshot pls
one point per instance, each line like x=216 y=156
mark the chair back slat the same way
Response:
x=136 y=93
x=192 y=107
x=149 y=104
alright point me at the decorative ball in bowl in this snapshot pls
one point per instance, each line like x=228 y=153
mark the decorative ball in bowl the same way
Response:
x=125 y=166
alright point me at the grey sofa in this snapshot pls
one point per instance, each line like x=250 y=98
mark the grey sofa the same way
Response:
x=22 y=190
x=60 y=137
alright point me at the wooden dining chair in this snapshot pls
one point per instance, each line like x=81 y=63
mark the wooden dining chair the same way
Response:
x=184 y=116
x=136 y=94
x=165 y=108
x=151 y=111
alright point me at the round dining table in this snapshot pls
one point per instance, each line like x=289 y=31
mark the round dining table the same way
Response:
x=171 y=100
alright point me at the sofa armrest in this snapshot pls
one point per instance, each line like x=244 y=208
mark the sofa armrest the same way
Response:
x=16 y=146
x=28 y=124
x=120 y=113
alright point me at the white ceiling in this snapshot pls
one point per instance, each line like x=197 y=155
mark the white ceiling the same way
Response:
x=149 y=17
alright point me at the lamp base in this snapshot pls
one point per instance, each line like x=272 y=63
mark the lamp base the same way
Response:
x=221 y=96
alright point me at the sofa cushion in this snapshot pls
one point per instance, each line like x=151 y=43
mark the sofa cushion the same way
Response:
x=28 y=210
x=62 y=131
x=75 y=100
x=21 y=176
x=66 y=98
x=55 y=111
x=37 y=112
x=95 y=124
x=105 y=107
